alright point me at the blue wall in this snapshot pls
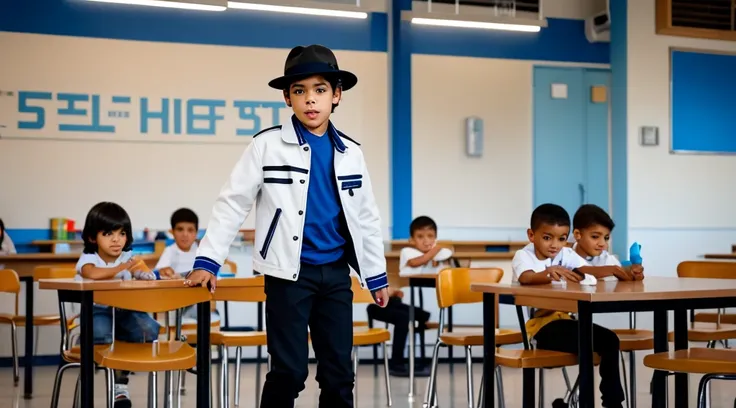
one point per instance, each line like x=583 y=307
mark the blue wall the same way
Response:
x=619 y=123
x=562 y=40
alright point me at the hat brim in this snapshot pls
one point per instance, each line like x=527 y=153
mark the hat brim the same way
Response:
x=347 y=79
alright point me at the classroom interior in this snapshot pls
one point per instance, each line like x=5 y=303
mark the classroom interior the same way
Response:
x=623 y=116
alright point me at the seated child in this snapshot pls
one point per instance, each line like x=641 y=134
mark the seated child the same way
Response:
x=6 y=244
x=547 y=259
x=177 y=259
x=107 y=236
x=592 y=228
x=422 y=257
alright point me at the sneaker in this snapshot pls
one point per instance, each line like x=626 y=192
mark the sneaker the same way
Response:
x=403 y=371
x=558 y=403
x=122 y=397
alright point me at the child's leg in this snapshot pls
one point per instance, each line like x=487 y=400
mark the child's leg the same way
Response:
x=397 y=315
x=135 y=327
x=561 y=335
x=288 y=306
x=102 y=324
x=331 y=325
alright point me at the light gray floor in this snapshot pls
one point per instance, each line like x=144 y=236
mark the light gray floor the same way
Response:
x=452 y=391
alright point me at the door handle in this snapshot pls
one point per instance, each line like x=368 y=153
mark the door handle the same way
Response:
x=581 y=187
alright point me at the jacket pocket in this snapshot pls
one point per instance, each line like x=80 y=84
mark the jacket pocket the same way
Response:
x=271 y=231
x=275 y=180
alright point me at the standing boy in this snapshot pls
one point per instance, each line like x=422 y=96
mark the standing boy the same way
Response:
x=547 y=259
x=592 y=228
x=315 y=215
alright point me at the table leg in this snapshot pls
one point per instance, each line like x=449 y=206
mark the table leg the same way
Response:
x=28 y=360
x=681 y=343
x=87 y=350
x=659 y=378
x=203 y=355
x=411 y=342
x=585 y=355
x=489 y=350
x=227 y=318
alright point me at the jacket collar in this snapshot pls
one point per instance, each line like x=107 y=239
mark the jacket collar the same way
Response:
x=292 y=132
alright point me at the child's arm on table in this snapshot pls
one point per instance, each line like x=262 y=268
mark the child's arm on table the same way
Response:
x=90 y=271
x=424 y=258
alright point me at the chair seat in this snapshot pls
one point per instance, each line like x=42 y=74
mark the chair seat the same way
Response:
x=363 y=336
x=514 y=358
x=74 y=355
x=475 y=338
x=38 y=320
x=635 y=339
x=238 y=339
x=147 y=357
x=701 y=331
x=710 y=317
x=694 y=361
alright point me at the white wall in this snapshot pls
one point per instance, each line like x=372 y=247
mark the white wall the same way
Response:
x=680 y=206
x=50 y=178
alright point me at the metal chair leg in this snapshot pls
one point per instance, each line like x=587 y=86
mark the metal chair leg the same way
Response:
x=153 y=389
x=238 y=355
x=258 y=379
x=626 y=384
x=76 y=392
x=499 y=385
x=355 y=373
x=224 y=380
x=110 y=387
x=429 y=396
x=541 y=388
x=386 y=374
x=469 y=375
x=632 y=379
x=57 y=383
x=14 y=345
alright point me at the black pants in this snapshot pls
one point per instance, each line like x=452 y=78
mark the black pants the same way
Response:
x=322 y=299
x=397 y=313
x=561 y=335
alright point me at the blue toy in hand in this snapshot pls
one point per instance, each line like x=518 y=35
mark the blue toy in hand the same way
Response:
x=634 y=255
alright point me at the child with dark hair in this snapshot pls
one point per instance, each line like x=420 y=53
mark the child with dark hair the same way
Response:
x=548 y=259
x=592 y=228
x=6 y=244
x=108 y=238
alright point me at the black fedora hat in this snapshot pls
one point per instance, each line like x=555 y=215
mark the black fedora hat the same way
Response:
x=303 y=62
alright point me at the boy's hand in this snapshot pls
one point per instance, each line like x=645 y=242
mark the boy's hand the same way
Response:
x=202 y=278
x=557 y=273
x=621 y=273
x=167 y=273
x=381 y=297
x=638 y=272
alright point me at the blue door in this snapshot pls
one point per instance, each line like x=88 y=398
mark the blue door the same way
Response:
x=570 y=157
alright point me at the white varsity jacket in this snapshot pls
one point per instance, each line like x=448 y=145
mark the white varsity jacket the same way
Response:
x=273 y=174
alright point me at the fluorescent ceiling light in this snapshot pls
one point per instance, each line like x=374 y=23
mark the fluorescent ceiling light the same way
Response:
x=474 y=21
x=475 y=24
x=204 y=5
x=297 y=10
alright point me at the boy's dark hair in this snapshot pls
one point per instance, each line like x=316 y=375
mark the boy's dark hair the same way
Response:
x=550 y=214
x=334 y=82
x=2 y=232
x=106 y=217
x=184 y=215
x=589 y=215
x=421 y=223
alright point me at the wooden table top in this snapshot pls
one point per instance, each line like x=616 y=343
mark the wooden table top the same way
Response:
x=117 y=284
x=651 y=288
x=720 y=256
x=476 y=255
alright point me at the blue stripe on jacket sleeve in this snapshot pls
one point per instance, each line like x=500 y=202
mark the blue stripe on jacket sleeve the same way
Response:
x=377 y=282
x=207 y=264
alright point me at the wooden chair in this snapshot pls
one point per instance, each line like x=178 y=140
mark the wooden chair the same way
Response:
x=366 y=336
x=453 y=288
x=713 y=363
x=233 y=290
x=10 y=283
x=148 y=357
x=704 y=330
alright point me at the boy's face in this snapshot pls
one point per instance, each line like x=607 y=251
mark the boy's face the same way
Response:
x=549 y=239
x=312 y=100
x=184 y=235
x=593 y=240
x=110 y=244
x=423 y=239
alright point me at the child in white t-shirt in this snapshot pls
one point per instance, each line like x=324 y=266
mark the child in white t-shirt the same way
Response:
x=545 y=260
x=6 y=244
x=108 y=238
x=424 y=256
x=592 y=228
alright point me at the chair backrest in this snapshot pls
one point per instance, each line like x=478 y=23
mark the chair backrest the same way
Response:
x=707 y=269
x=156 y=300
x=453 y=284
x=360 y=295
x=232 y=265
x=10 y=283
x=241 y=289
